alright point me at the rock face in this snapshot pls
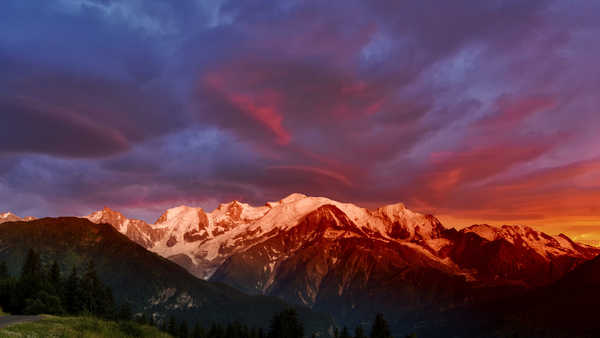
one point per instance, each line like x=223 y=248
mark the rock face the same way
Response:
x=332 y=264
x=565 y=308
x=514 y=254
x=352 y=262
x=137 y=230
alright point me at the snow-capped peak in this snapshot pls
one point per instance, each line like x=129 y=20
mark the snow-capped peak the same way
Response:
x=10 y=217
x=293 y=198
x=527 y=237
x=182 y=219
x=109 y=216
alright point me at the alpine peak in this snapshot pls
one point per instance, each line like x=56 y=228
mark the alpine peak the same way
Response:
x=10 y=217
x=330 y=216
x=293 y=197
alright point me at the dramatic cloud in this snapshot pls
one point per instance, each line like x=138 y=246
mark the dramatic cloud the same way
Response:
x=477 y=111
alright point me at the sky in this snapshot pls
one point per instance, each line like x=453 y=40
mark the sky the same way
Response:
x=474 y=111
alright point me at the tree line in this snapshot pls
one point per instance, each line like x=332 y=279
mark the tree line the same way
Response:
x=283 y=325
x=43 y=289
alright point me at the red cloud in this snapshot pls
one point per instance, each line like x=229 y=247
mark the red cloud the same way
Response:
x=266 y=113
x=454 y=170
x=587 y=171
x=262 y=106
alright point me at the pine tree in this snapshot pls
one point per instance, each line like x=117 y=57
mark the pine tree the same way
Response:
x=55 y=286
x=29 y=285
x=380 y=328
x=107 y=304
x=93 y=291
x=286 y=324
x=336 y=333
x=198 y=331
x=31 y=275
x=54 y=274
x=125 y=312
x=345 y=333
x=244 y=331
x=216 y=331
x=72 y=294
x=229 y=331
x=141 y=319
x=172 y=326
x=32 y=266
x=359 y=332
x=183 y=329
x=3 y=271
x=254 y=333
x=7 y=288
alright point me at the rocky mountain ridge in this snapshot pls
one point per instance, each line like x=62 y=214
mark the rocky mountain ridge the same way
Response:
x=10 y=217
x=202 y=242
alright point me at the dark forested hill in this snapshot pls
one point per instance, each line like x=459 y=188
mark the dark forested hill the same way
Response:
x=150 y=283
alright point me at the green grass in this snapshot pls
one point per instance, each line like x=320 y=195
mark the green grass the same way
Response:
x=51 y=326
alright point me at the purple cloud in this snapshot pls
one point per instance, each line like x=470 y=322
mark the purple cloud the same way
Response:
x=446 y=106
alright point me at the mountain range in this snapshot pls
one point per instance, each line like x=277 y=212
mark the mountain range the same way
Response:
x=350 y=261
x=329 y=257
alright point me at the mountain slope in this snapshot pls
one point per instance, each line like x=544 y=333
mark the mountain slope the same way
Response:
x=327 y=263
x=514 y=254
x=564 y=309
x=151 y=283
x=567 y=308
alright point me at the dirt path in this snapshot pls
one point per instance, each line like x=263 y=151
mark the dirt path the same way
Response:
x=9 y=320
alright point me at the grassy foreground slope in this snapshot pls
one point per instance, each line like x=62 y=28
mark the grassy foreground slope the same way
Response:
x=52 y=326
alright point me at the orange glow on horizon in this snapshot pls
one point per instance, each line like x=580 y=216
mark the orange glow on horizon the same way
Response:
x=584 y=230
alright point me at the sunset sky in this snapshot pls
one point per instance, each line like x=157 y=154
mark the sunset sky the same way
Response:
x=475 y=111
